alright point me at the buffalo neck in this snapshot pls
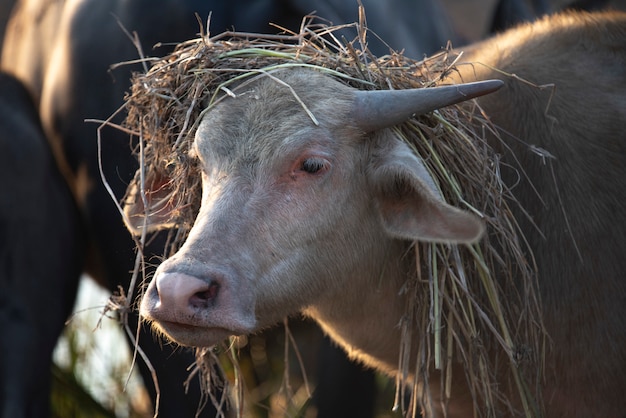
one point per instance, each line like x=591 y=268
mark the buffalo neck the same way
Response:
x=365 y=313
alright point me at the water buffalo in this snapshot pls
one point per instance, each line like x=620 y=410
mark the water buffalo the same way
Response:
x=40 y=254
x=63 y=51
x=318 y=219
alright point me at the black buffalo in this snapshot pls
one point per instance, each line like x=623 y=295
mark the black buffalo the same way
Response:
x=40 y=254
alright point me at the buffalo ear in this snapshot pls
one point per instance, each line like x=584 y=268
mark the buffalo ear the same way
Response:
x=159 y=213
x=409 y=203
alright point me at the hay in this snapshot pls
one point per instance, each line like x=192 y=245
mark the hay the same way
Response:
x=469 y=315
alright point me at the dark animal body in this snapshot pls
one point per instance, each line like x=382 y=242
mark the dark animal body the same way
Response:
x=40 y=239
x=62 y=51
x=317 y=219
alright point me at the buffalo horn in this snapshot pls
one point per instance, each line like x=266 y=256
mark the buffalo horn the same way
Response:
x=377 y=109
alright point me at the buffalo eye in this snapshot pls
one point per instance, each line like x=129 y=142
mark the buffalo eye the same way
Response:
x=313 y=165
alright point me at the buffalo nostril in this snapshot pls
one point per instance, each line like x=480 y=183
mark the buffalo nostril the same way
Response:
x=205 y=297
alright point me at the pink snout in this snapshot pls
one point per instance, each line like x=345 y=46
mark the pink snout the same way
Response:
x=186 y=295
x=196 y=312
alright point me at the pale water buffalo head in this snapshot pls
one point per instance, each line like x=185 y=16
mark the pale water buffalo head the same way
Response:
x=305 y=192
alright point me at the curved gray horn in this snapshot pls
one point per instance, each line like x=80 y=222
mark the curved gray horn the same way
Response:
x=377 y=109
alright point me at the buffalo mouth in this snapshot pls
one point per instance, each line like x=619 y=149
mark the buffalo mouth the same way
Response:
x=189 y=335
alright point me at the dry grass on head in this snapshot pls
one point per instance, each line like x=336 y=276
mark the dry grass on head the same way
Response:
x=468 y=314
